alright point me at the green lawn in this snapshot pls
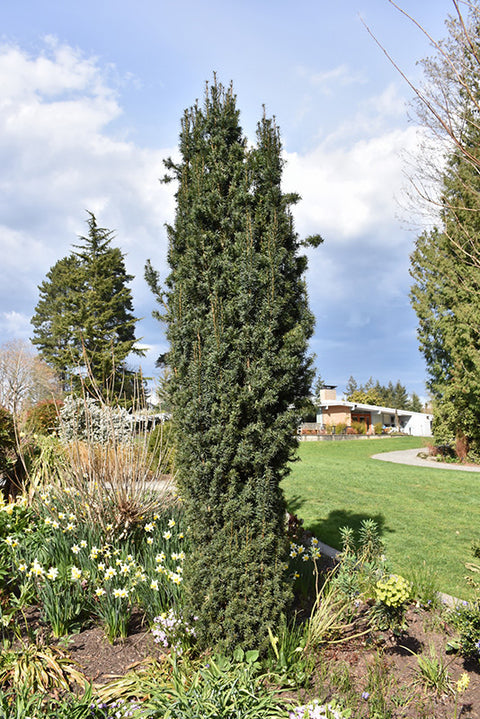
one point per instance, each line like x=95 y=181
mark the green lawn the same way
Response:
x=423 y=514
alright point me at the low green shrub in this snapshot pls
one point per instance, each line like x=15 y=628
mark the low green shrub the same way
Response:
x=465 y=618
x=359 y=427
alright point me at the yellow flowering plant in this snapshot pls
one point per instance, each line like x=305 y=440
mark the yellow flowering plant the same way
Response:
x=392 y=594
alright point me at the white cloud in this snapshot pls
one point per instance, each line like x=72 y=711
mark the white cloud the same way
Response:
x=15 y=324
x=327 y=80
x=353 y=190
x=59 y=157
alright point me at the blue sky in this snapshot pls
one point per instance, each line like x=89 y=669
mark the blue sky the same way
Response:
x=92 y=94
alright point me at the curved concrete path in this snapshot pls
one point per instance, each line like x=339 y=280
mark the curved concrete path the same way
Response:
x=410 y=456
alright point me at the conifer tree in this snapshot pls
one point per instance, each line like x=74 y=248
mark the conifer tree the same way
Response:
x=84 y=322
x=238 y=327
x=445 y=264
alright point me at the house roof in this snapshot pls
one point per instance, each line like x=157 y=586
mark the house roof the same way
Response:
x=367 y=407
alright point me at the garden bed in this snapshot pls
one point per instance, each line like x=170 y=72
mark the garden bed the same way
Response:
x=377 y=674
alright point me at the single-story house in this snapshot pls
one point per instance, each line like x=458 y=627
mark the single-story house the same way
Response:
x=332 y=412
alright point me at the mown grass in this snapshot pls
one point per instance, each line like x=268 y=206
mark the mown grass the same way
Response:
x=424 y=515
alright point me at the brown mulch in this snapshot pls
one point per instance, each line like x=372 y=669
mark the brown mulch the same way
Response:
x=395 y=657
x=392 y=656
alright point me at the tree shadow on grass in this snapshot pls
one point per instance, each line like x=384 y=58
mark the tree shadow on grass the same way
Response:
x=328 y=529
x=295 y=504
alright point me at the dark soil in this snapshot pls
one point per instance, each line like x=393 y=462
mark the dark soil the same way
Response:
x=394 y=662
x=345 y=669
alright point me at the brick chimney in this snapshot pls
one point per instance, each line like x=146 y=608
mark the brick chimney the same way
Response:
x=328 y=393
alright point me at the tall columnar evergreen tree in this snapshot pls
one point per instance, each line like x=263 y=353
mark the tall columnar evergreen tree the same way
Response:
x=445 y=264
x=84 y=323
x=238 y=327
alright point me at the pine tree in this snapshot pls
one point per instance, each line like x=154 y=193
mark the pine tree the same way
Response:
x=414 y=404
x=84 y=323
x=238 y=327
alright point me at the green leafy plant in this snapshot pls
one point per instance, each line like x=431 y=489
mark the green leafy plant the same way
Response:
x=424 y=585
x=432 y=672
x=20 y=703
x=392 y=594
x=223 y=687
x=287 y=659
x=62 y=602
x=361 y=560
x=465 y=618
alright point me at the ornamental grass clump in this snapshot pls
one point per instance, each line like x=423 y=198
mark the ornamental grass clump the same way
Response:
x=106 y=463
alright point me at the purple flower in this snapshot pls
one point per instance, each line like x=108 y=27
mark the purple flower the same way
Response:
x=365 y=695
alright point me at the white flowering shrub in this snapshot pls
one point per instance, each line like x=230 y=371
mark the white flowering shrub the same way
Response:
x=85 y=419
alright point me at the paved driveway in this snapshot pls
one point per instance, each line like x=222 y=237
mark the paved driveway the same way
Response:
x=409 y=456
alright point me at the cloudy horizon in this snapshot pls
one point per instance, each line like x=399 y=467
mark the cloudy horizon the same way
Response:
x=86 y=123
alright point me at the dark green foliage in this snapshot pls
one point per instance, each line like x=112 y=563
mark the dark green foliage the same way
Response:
x=42 y=418
x=445 y=264
x=8 y=455
x=415 y=403
x=392 y=395
x=83 y=322
x=238 y=326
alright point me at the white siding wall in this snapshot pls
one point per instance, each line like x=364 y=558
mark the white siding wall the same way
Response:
x=419 y=424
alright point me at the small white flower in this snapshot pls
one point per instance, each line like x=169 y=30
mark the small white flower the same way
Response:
x=76 y=573
x=52 y=573
x=167 y=534
x=149 y=527
x=75 y=549
x=171 y=523
x=154 y=585
x=100 y=592
x=83 y=544
x=120 y=593
x=36 y=568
